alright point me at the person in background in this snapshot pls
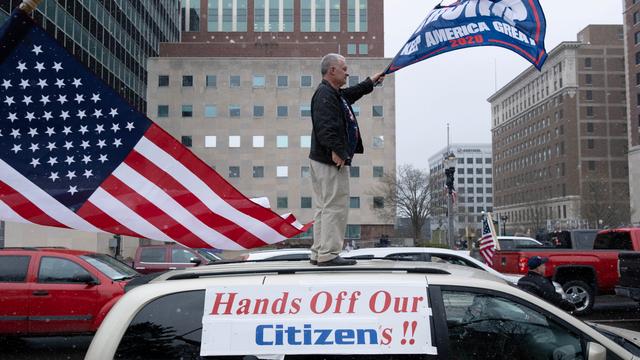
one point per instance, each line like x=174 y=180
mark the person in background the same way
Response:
x=335 y=138
x=537 y=284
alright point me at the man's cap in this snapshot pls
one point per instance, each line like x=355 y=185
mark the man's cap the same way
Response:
x=536 y=261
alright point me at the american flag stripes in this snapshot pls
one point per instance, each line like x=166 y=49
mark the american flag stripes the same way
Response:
x=488 y=240
x=76 y=155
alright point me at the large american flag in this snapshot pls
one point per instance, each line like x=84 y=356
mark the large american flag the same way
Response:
x=74 y=154
x=487 y=241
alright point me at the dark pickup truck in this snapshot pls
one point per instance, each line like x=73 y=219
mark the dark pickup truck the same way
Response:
x=583 y=274
x=629 y=271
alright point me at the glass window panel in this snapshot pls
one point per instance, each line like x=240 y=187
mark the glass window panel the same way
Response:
x=282 y=141
x=305 y=110
x=305 y=172
x=305 y=141
x=258 y=110
x=306 y=81
x=234 y=110
x=378 y=142
x=282 y=171
x=377 y=110
x=234 y=81
x=234 y=141
x=354 y=171
x=163 y=110
x=282 y=202
x=305 y=202
x=378 y=171
x=354 y=202
x=187 y=80
x=258 y=171
x=363 y=49
x=210 y=141
x=187 y=110
x=210 y=111
x=186 y=140
x=283 y=81
x=258 y=141
x=234 y=171
x=282 y=111
x=259 y=81
x=212 y=81
x=163 y=80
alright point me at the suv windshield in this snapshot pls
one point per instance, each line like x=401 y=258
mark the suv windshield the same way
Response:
x=110 y=266
x=206 y=253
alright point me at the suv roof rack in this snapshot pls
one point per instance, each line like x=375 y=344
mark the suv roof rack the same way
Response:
x=410 y=270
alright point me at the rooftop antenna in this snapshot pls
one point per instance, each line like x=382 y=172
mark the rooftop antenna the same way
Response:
x=448 y=139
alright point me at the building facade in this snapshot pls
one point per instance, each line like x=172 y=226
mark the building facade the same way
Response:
x=631 y=18
x=113 y=39
x=473 y=182
x=238 y=92
x=560 y=138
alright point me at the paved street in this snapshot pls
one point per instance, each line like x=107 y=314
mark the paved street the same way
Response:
x=609 y=310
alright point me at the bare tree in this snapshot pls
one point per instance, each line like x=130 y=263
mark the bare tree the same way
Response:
x=600 y=205
x=406 y=194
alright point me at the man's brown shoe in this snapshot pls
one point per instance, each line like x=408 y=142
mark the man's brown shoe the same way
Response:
x=337 y=261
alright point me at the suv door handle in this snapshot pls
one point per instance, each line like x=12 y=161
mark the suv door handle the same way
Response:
x=40 y=293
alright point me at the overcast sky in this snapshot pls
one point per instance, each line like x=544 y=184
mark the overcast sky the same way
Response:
x=453 y=87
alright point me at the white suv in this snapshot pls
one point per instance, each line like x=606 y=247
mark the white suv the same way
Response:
x=373 y=310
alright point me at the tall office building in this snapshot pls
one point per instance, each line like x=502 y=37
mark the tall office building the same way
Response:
x=473 y=182
x=560 y=138
x=113 y=39
x=238 y=91
x=632 y=51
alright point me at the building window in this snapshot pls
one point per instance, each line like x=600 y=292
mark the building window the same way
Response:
x=352 y=49
x=487 y=171
x=282 y=111
x=305 y=202
x=210 y=111
x=234 y=171
x=636 y=17
x=190 y=15
x=353 y=232
x=470 y=180
x=305 y=141
x=187 y=80
x=259 y=81
x=587 y=63
x=590 y=144
x=163 y=111
x=354 y=202
x=377 y=110
x=305 y=110
x=258 y=111
x=378 y=171
x=227 y=16
x=356 y=110
x=357 y=16
x=363 y=49
x=306 y=81
x=589 y=95
x=269 y=16
x=258 y=171
x=592 y=165
x=589 y=127
x=258 y=141
x=378 y=202
x=234 y=141
x=163 y=80
x=460 y=180
x=314 y=15
x=378 y=142
x=186 y=140
x=283 y=202
x=588 y=79
x=590 y=111
x=210 y=141
x=282 y=171
x=283 y=81
x=187 y=110
x=353 y=80
x=234 y=110
x=234 y=81
x=638 y=78
x=282 y=141
x=489 y=180
x=354 y=171
x=211 y=81
x=305 y=172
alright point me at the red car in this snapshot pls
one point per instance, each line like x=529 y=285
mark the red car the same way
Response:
x=47 y=291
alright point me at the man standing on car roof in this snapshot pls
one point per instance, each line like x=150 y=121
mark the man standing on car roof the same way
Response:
x=335 y=138
x=537 y=284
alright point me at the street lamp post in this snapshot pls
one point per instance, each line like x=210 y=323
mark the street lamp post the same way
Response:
x=504 y=219
x=450 y=170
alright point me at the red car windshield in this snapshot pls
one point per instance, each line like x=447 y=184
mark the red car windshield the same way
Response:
x=110 y=266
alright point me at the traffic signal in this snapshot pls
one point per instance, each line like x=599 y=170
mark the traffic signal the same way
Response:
x=449 y=178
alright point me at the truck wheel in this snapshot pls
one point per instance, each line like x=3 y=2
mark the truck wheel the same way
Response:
x=581 y=295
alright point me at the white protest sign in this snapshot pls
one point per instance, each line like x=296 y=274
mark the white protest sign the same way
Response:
x=332 y=319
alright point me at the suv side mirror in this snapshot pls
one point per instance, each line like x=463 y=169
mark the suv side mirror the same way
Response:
x=195 y=260
x=596 y=351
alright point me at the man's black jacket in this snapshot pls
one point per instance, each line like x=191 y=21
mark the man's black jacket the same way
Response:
x=330 y=121
x=542 y=287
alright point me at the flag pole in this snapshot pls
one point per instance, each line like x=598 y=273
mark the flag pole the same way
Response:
x=29 y=5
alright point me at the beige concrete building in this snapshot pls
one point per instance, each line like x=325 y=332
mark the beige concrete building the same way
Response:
x=560 y=138
x=632 y=51
x=249 y=118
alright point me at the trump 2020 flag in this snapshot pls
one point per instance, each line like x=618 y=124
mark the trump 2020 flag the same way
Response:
x=488 y=240
x=74 y=154
x=517 y=25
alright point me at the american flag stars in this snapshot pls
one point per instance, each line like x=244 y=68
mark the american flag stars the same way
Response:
x=73 y=147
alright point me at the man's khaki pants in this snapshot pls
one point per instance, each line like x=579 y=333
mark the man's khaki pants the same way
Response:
x=331 y=198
